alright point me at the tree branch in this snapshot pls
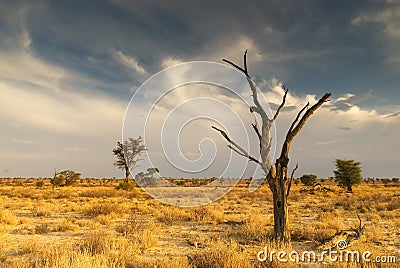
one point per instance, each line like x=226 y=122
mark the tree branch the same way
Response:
x=294 y=130
x=255 y=127
x=282 y=104
x=259 y=109
x=305 y=117
x=245 y=62
x=235 y=147
x=291 y=180
x=236 y=66
x=244 y=70
x=297 y=117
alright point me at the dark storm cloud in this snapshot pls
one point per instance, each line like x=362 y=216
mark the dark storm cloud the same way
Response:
x=303 y=43
x=67 y=69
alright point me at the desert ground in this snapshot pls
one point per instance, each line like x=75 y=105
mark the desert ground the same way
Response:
x=92 y=224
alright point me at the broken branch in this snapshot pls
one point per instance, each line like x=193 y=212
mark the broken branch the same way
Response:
x=235 y=147
x=280 y=106
x=291 y=179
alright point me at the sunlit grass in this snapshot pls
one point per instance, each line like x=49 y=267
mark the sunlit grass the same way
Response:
x=99 y=226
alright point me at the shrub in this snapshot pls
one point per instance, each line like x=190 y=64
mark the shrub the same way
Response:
x=308 y=179
x=127 y=186
x=57 y=181
x=65 y=177
x=39 y=184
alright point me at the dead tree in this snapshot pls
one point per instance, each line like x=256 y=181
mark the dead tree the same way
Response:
x=342 y=239
x=276 y=175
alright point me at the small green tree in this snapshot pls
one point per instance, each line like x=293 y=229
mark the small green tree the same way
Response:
x=57 y=180
x=127 y=186
x=70 y=177
x=396 y=181
x=39 y=184
x=128 y=154
x=386 y=181
x=151 y=171
x=65 y=177
x=308 y=179
x=348 y=173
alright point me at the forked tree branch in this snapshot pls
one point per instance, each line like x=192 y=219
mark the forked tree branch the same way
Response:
x=308 y=113
x=235 y=147
x=236 y=66
x=258 y=108
x=295 y=129
x=297 y=117
x=282 y=104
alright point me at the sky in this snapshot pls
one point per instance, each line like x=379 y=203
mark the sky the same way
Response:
x=71 y=70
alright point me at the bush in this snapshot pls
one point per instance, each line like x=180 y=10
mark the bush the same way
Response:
x=127 y=186
x=308 y=179
x=39 y=184
x=57 y=181
x=65 y=178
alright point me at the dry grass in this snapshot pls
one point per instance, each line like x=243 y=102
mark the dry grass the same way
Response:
x=221 y=254
x=99 y=226
x=256 y=228
x=105 y=209
x=7 y=217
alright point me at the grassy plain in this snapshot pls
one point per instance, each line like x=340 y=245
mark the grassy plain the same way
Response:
x=91 y=224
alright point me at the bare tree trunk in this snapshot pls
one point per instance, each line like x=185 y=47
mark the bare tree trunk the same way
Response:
x=349 y=188
x=281 y=221
x=126 y=174
x=277 y=178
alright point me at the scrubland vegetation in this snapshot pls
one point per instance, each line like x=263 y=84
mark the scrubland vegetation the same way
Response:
x=92 y=224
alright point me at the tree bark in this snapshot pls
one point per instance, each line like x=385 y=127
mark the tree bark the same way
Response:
x=281 y=221
x=126 y=174
x=349 y=188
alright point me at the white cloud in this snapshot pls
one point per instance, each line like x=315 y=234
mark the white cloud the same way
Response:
x=23 y=141
x=333 y=132
x=64 y=127
x=129 y=61
x=168 y=62
x=74 y=129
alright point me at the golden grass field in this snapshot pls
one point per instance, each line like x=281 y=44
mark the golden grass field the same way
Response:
x=95 y=225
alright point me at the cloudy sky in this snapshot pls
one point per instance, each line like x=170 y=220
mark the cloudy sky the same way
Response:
x=68 y=70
